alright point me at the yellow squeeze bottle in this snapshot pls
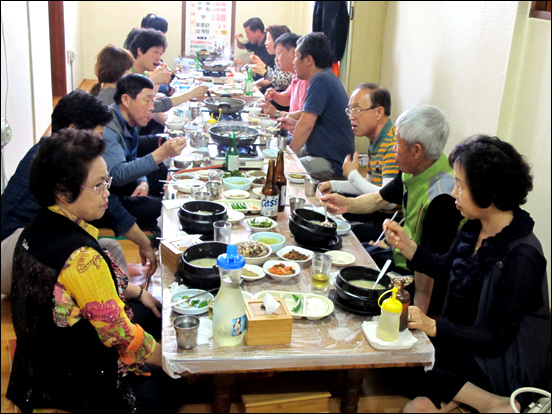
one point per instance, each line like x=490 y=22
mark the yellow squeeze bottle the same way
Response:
x=388 y=323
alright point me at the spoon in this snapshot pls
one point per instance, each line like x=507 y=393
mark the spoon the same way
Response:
x=382 y=272
x=327 y=223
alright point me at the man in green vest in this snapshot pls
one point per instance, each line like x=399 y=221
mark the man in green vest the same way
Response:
x=423 y=189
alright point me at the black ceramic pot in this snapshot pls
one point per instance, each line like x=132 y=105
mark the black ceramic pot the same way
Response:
x=200 y=277
x=308 y=233
x=355 y=297
x=194 y=223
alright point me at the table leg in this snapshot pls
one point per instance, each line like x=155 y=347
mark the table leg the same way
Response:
x=351 y=395
x=223 y=388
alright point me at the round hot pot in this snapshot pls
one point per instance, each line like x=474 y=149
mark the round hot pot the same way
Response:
x=200 y=277
x=357 y=298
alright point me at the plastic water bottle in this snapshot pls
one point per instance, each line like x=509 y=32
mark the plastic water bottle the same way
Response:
x=229 y=321
x=388 y=323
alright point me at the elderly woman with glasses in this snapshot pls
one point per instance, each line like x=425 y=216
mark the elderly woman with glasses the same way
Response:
x=78 y=348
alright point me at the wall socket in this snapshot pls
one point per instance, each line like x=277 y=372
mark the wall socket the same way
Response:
x=71 y=55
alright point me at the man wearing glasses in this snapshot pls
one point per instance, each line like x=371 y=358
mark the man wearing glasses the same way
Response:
x=369 y=110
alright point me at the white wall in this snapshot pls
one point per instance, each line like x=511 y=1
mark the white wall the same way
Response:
x=101 y=25
x=26 y=85
x=487 y=65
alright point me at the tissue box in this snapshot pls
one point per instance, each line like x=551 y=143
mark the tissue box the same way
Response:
x=171 y=254
x=263 y=329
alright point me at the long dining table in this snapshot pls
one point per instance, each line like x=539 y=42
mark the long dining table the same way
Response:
x=335 y=342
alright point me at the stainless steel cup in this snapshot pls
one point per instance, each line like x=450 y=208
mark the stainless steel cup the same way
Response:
x=295 y=203
x=202 y=196
x=186 y=328
x=214 y=188
x=311 y=185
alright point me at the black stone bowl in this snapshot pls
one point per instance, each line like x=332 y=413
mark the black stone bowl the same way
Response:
x=200 y=277
x=358 y=298
x=194 y=223
x=308 y=233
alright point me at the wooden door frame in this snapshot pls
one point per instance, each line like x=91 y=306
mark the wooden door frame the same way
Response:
x=57 y=48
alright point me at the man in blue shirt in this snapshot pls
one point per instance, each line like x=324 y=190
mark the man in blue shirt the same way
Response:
x=131 y=109
x=322 y=136
x=78 y=110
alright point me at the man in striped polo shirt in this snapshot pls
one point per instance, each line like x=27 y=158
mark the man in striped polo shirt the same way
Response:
x=369 y=110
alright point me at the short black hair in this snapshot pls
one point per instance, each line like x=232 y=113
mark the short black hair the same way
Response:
x=254 y=24
x=131 y=85
x=81 y=109
x=153 y=21
x=317 y=45
x=378 y=95
x=62 y=164
x=496 y=173
x=287 y=40
x=130 y=37
x=146 y=39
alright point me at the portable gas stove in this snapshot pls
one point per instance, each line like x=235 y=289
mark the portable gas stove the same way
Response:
x=214 y=73
x=251 y=156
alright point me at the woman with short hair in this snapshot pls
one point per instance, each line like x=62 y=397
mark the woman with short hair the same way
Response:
x=494 y=335
x=78 y=347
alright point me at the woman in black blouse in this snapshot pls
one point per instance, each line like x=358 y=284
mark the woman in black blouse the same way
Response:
x=494 y=336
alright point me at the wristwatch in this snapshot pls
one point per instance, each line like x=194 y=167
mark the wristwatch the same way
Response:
x=276 y=114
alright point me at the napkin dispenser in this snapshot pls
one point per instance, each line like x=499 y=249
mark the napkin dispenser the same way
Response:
x=264 y=329
x=171 y=253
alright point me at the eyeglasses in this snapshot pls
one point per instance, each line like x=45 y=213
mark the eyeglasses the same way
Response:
x=98 y=188
x=356 y=111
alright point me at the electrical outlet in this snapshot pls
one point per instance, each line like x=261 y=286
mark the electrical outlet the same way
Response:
x=71 y=55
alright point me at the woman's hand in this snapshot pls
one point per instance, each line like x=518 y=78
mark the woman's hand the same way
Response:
x=396 y=237
x=349 y=165
x=198 y=92
x=147 y=254
x=151 y=303
x=261 y=83
x=418 y=320
x=269 y=94
x=160 y=76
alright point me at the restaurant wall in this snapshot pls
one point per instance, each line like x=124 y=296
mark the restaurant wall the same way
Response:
x=26 y=85
x=487 y=65
x=101 y=26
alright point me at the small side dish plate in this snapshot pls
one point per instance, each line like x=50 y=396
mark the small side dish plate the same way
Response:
x=185 y=186
x=194 y=308
x=270 y=264
x=341 y=258
x=236 y=194
x=253 y=224
x=297 y=178
x=287 y=249
x=258 y=270
x=302 y=305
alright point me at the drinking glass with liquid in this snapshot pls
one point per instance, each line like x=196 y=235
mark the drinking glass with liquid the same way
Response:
x=321 y=267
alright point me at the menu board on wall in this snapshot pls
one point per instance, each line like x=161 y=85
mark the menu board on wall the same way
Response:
x=208 y=25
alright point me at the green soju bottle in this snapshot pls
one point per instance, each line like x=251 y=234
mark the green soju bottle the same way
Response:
x=232 y=155
x=249 y=86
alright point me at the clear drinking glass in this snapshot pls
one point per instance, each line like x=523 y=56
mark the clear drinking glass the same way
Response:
x=321 y=267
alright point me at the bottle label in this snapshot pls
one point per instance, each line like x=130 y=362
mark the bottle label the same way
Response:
x=283 y=192
x=232 y=162
x=238 y=325
x=269 y=205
